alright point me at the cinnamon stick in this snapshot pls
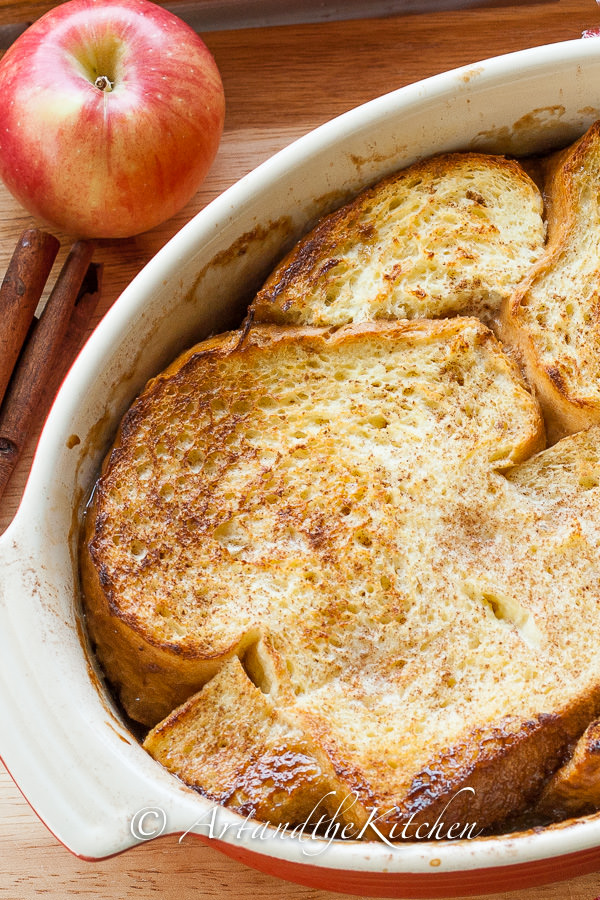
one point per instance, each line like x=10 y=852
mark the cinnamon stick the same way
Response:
x=85 y=305
x=77 y=331
x=20 y=292
x=40 y=358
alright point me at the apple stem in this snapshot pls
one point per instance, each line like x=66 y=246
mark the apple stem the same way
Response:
x=103 y=84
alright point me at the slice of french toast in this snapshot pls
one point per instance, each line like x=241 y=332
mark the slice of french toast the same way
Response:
x=244 y=752
x=354 y=516
x=552 y=318
x=451 y=235
x=574 y=789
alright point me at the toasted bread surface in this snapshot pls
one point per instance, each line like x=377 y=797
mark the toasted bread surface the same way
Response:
x=451 y=235
x=355 y=516
x=552 y=319
x=241 y=750
x=236 y=452
x=478 y=713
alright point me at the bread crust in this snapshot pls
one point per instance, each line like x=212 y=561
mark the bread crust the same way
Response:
x=449 y=235
x=558 y=300
x=574 y=789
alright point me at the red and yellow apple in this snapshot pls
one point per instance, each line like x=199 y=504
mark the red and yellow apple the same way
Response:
x=111 y=114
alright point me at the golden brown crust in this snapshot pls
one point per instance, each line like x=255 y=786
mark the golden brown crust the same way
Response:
x=575 y=788
x=233 y=745
x=552 y=318
x=450 y=235
x=152 y=673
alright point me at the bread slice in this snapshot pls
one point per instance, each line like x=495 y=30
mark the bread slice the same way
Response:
x=575 y=788
x=552 y=318
x=260 y=465
x=465 y=720
x=339 y=552
x=451 y=235
x=242 y=751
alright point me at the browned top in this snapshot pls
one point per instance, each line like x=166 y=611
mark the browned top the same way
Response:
x=331 y=506
x=450 y=235
x=553 y=317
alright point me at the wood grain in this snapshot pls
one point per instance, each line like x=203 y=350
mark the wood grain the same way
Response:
x=279 y=83
x=240 y=13
x=14 y=12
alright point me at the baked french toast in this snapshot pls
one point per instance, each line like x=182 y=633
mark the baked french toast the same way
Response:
x=346 y=537
x=552 y=318
x=574 y=790
x=452 y=235
x=331 y=563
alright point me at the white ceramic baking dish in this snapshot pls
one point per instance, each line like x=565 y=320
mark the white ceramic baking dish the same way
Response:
x=61 y=737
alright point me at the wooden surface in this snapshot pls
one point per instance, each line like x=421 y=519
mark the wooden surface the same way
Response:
x=280 y=83
x=15 y=12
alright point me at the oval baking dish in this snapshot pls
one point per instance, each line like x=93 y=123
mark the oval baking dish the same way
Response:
x=63 y=739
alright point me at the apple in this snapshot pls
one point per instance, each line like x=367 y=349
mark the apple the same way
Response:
x=111 y=114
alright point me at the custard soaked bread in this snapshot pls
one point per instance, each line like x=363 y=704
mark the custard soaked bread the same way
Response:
x=451 y=235
x=341 y=554
x=553 y=317
x=574 y=789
